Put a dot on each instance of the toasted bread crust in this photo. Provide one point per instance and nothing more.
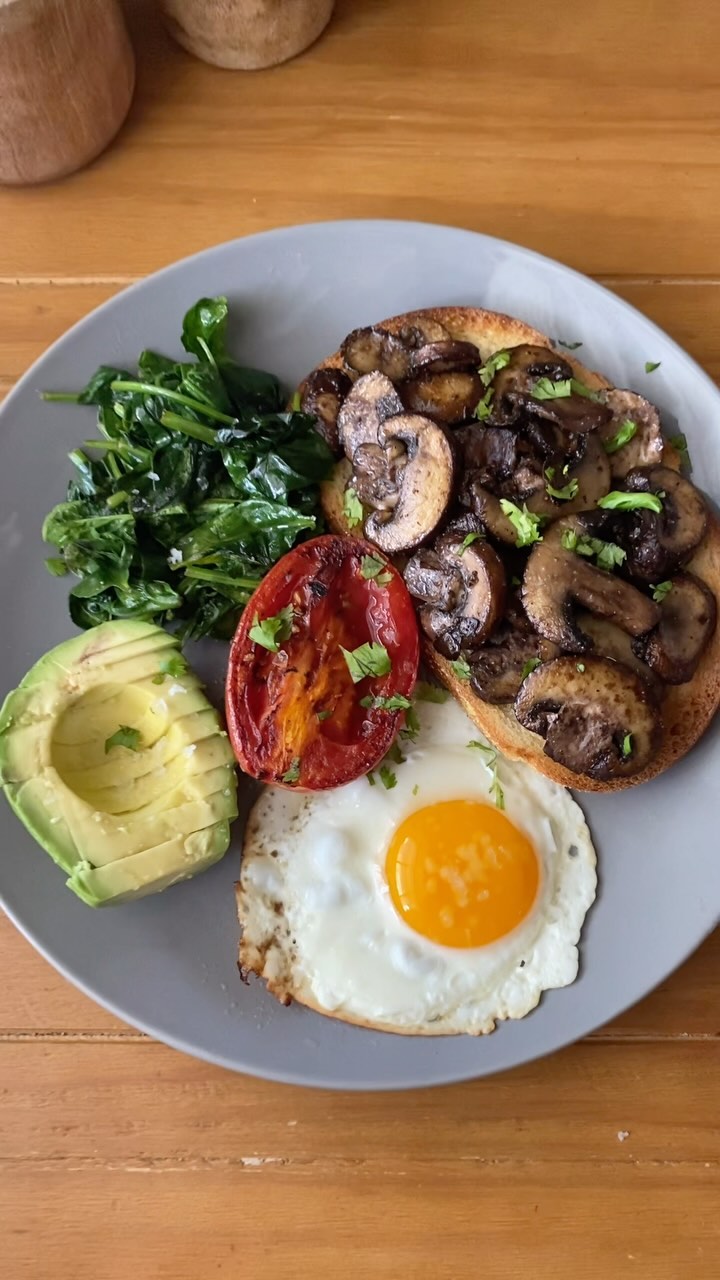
(687, 709)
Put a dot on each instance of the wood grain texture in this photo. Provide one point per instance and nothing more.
(593, 140)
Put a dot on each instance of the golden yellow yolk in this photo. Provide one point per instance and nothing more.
(461, 874)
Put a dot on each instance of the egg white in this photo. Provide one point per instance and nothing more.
(319, 923)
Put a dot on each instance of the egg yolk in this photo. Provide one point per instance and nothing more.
(461, 874)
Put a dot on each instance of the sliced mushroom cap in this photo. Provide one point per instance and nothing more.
(426, 484)
(590, 476)
(445, 397)
(493, 452)
(645, 448)
(602, 721)
(610, 641)
(371, 400)
(487, 508)
(376, 349)
(688, 617)
(445, 357)
(458, 614)
(500, 666)
(556, 580)
(659, 543)
(422, 330)
(322, 397)
(377, 473)
(514, 387)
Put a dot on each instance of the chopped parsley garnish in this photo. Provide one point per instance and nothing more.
(461, 669)
(396, 702)
(272, 632)
(371, 778)
(293, 773)
(374, 567)
(175, 667)
(619, 500)
(430, 692)
(581, 389)
(395, 754)
(627, 745)
(324, 715)
(412, 725)
(660, 591)
(652, 365)
(482, 409)
(606, 554)
(570, 346)
(468, 541)
(491, 760)
(493, 365)
(387, 777)
(124, 737)
(680, 443)
(565, 494)
(623, 436)
(525, 523)
(546, 389)
(352, 508)
(529, 666)
(580, 667)
(415, 789)
(368, 659)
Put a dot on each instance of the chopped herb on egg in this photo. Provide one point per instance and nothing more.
(396, 702)
(430, 692)
(387, 777)
(368, 659)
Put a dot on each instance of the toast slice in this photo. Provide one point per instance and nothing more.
(687, 708)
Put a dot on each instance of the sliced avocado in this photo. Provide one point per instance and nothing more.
(110, 753)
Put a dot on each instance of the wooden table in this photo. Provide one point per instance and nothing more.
(588, 132)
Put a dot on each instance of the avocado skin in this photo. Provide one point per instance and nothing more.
(120, 823)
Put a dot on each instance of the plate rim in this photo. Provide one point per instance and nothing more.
(443, 1076)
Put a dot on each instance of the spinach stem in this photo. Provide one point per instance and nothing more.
(116, 499)
(214, 575)
(195, 429)
(148, 388)
(61, 397)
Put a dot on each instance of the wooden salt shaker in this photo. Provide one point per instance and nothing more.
(246, 34)
(67, 73)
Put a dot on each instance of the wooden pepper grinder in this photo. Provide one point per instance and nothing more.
(246, 34)
(67, 73)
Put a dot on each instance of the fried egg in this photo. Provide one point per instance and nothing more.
(439, 898)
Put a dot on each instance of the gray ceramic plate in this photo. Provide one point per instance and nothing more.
(167, 964)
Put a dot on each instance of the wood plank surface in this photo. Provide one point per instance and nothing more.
(588, 132)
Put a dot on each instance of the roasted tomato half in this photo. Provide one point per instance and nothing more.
(321, 666)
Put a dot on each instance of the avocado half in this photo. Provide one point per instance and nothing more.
(117, 764)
